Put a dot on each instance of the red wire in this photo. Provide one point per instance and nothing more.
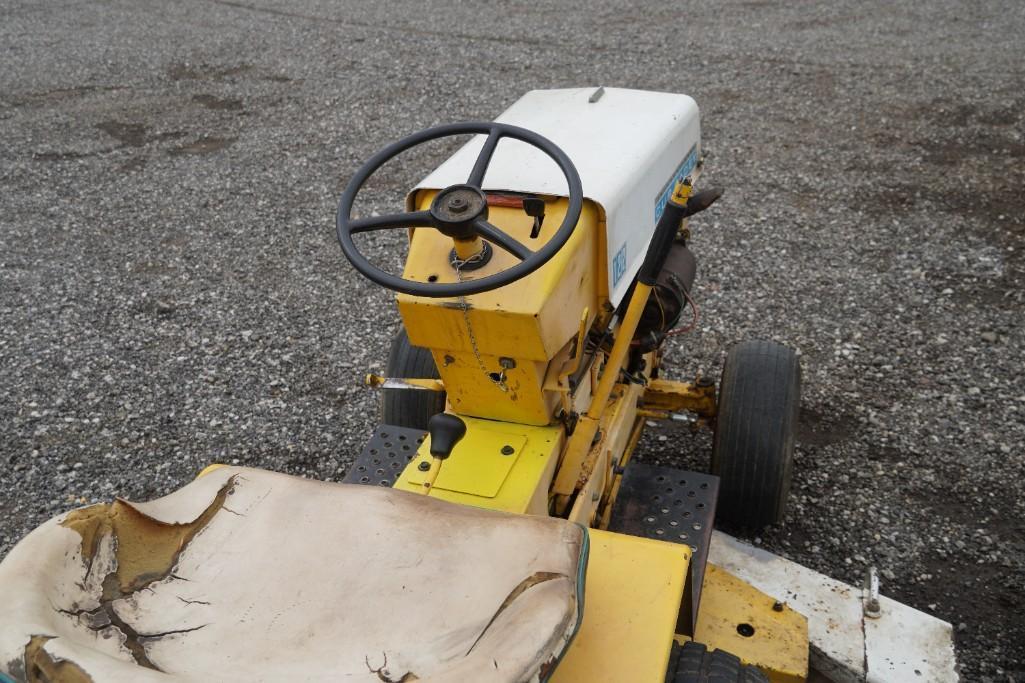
(681, 330)
(694, 321)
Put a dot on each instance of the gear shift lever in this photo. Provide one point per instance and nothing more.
(446, 431)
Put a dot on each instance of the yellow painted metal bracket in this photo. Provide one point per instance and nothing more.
(610, 453)
(737, 617)
(669, 396)
(578, 346)
(580, 459)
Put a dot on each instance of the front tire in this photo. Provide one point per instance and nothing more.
(753, 451)
(410, 407)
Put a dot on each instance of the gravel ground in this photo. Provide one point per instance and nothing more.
(171, 293)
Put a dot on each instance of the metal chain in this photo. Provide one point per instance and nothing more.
(458, 264)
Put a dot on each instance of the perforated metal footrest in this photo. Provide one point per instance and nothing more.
(384, 457)
(671, 505)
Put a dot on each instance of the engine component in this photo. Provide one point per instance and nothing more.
(668, 298)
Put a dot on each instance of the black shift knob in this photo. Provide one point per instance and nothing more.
(446, 430)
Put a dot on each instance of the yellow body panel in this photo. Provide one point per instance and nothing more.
(471, 392)
(492, 450)
(631, 602)
(613, 437)
(527, 322)
(778, 636)
(479, 474)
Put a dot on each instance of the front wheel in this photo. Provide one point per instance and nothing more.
(410, 407)
(753, 451)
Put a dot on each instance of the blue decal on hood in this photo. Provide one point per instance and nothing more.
(685, 170)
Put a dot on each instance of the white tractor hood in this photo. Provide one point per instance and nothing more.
(629, 147)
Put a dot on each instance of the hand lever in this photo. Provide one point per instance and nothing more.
(535, 208)
(699, 201)
(680, 205)
(446, 431)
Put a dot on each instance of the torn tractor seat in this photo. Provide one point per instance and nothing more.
(247, 575)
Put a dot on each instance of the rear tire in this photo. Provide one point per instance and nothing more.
(410, 407)
(753, 451)
(698, 665)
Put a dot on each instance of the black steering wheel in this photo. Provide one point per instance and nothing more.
(459, 211)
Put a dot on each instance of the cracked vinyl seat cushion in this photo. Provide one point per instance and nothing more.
(247, 575)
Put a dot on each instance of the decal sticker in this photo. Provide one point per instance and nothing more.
(685, 170)
(619, 265)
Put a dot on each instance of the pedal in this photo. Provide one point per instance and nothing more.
(672, 505)
(384, 457)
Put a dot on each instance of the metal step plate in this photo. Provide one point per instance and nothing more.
(386, 454)
(671, 505)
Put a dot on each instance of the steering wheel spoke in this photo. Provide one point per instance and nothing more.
(502, 239)
(480, 167)
(413, 219)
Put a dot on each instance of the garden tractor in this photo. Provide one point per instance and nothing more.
(496, 526)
